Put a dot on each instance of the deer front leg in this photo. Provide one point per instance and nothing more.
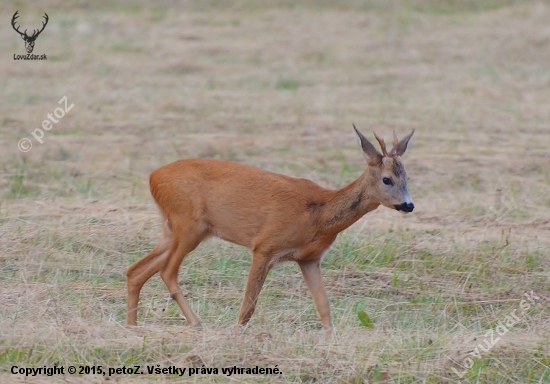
(311, 270)
(256, 278)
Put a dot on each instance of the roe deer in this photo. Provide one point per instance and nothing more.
(279, 218)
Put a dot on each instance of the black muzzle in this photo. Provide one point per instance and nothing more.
(405, 207)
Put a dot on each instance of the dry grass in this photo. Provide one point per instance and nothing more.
(278, 86)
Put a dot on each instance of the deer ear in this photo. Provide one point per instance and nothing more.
(403, 144)
(369, 151)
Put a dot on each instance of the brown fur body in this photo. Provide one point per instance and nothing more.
(279, 218)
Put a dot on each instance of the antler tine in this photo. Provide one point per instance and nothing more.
(382, 144)
(395, 143)
(13, 20)
(43, 25)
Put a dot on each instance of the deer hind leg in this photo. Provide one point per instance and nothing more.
(142, 271)
(181, 246)
(311, 270)
(256, 278)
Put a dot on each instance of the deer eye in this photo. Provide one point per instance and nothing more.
(387, 181)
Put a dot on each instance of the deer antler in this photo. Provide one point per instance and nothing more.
(13, 20)
(35, 34)
(382, 144)
(395, 144)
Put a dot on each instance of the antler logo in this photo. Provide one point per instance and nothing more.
(29, 40)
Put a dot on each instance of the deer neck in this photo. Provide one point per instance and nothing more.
(347, 205)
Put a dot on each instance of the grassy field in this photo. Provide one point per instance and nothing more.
(278, 86)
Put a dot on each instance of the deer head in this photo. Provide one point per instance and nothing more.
(29, 40)
(386, 174)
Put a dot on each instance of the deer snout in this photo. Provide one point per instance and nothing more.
(405, 207)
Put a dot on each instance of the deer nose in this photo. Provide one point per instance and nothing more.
(405, 207)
